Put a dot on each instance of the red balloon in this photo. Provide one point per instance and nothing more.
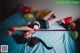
(25, 10)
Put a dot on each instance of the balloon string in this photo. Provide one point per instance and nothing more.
(48, 30)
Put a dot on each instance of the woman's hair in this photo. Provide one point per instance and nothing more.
(31, 41)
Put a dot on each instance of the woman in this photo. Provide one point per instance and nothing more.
(39, 24)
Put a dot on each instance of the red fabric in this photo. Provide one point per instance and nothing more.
(35, 30)
(25, 10)
(67, 19)
(30, 25)
(11, 29)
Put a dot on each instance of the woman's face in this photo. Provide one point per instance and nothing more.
(27, 34)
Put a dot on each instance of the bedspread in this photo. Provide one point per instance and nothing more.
(61, 41)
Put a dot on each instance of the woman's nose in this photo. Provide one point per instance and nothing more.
(27, 33)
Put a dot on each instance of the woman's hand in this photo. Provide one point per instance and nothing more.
(9, 33)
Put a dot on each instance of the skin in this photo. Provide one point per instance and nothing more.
(28, 34)
(30, 30)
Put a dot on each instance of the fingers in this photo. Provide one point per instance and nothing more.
(9, 33)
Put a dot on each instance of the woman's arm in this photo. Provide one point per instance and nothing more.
(23, 28)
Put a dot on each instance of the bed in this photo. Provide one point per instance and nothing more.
(61, 41)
